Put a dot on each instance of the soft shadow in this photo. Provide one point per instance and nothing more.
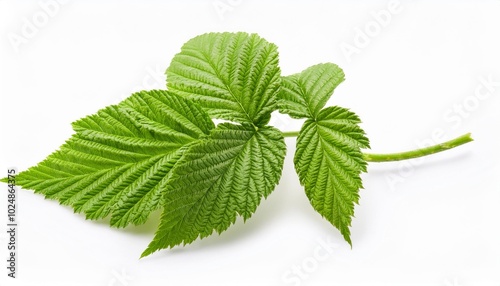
(268, 207)
(266, 214)
(148, 227)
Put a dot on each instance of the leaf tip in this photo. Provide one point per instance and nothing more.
(147, 252)
(348, 239)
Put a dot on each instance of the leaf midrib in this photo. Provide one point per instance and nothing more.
(203, 196)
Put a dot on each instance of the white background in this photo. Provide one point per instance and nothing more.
(414, 78)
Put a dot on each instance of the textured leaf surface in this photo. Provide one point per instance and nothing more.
(235, 76)
(217, 179)
(303, 95)
(120, 159)
(329, 162)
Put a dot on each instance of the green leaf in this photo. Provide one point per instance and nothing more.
(329, 161)
(120, 159)
(217, 179)
(303, 95)
(235, 76)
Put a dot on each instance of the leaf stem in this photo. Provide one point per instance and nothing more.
(466, 138)
(291, 134)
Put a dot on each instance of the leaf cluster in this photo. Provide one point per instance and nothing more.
(161, 149)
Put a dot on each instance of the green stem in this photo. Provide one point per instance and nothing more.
(291, 134)
(466, 138)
